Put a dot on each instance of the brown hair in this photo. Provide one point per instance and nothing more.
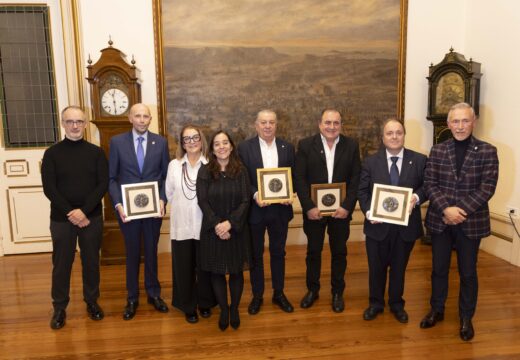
(234, 165)
(180, 147)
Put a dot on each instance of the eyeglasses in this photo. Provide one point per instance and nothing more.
(74, 122)
(188, 139)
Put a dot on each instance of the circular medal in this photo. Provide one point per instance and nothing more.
(390, 204)
(141, 200)
(328, 199)
(275, 185)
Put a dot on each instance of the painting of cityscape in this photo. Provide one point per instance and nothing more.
(224, 60)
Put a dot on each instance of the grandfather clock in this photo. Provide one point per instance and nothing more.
(451, 81)
(114, 88)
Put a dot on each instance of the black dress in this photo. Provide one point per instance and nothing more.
(223, 199)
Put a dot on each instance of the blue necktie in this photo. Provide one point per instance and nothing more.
(140, 153)
(394, 171)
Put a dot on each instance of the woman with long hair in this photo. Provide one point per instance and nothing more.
(191, 286)
(223, 191)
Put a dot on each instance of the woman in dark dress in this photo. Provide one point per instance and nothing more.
(223, 191)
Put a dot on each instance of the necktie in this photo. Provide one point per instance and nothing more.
(394, 171)
(140, 153)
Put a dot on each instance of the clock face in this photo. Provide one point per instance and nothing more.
(114, 102)
(449, 91)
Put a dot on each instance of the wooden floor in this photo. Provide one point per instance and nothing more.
(25, 311)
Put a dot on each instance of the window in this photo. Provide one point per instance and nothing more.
(27, 82)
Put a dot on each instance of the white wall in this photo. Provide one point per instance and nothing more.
(131, 30)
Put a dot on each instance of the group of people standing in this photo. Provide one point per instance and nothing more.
(218, 222)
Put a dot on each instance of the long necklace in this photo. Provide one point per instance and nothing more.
(189, 183)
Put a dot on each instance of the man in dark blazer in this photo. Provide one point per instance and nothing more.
(461, 176)
(139, 156)
(390, 245)
(267, 151)
(328, 157)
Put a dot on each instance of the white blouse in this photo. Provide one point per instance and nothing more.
(185, 214)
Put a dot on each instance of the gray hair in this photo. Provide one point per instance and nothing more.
(462, 106)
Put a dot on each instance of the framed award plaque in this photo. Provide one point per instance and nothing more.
(328, 197)
(141, 200)
(390, 204)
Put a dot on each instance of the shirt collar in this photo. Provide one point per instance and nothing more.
(324, 141)
(136, 135)
(399, 154)
(265, 144)
(202, 159)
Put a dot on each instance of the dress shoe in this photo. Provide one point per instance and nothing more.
(282, 302)
(130, 310)
(234, 318)
(205, 313)
(338, 305)
(58, 319)
(309, 299)
(371, 313)
(158, 304)
(466, 329)
(254, 306)
(223, 321)
(401, 315)
(192, 318)
(94, 311)
(431, 319)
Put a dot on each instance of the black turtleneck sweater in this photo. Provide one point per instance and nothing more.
(460, 152)
(74, 176)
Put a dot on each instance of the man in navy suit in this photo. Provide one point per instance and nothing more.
(461, 176)
(267, 151)
(139, 156)
(328, 157)
(390, 245)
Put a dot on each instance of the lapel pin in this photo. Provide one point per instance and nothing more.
(321, 152)
(153, 142)
(410, 162)
(283, 146)
(476, 148)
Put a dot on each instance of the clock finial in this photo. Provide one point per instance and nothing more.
(110, 42)
(89, 60)
(451, 49)
(133, 60)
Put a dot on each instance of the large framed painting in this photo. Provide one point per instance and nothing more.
(219, 62)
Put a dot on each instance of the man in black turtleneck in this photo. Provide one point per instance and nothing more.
(461, 176)
(75, 178)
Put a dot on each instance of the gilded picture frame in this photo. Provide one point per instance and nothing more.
(328, 197)
(141, 200)
(275, 185)
(390, 204)
(216, 68)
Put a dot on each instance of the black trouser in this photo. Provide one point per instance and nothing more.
(467, 254)
(65, 235)
(276, 228)
(338, 231)
(191, 285)
(391, 252)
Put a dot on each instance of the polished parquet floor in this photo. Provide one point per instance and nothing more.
(25, 311)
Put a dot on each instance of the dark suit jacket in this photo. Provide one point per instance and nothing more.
(311, 168)
(471, 190)
(123, 167)
(375, 171)
(249, 151)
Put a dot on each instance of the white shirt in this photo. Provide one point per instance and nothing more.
(269, 153)
(329, 156)
(185, 214)
(399, 160)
